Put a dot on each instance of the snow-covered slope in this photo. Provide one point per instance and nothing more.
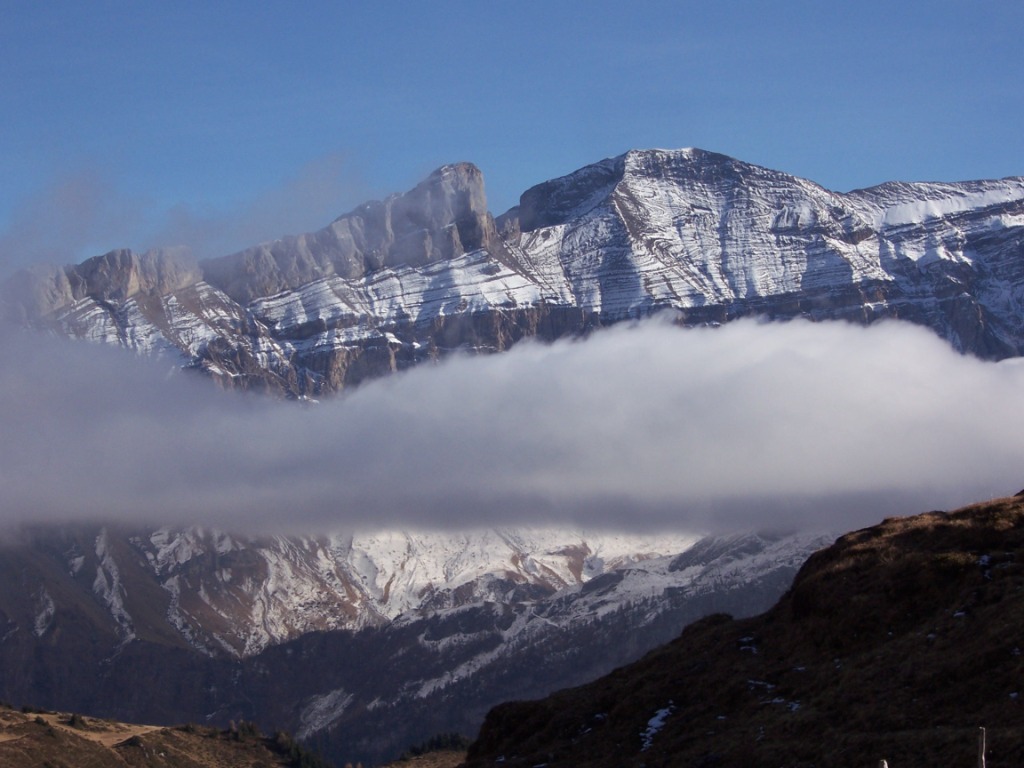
(397, 282)
(236, 596)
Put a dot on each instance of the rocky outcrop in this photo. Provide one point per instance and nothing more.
(442, 218)
(113, 278)
(704, 236)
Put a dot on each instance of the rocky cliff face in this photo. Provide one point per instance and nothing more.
(441, 219)
(111, 279)
(408, 279)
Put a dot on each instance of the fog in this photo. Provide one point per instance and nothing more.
(637, 428)
(87, 212)
(69, 219)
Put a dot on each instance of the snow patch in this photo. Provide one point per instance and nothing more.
(109, 588)
(320, 712)
(45, 611)
(919, 211)
(654, 726)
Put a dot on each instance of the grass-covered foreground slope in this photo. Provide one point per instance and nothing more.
(57, 740)
(897, 642)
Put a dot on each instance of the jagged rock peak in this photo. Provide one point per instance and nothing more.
(114, 276)
(692, 163)
(459, 186)
(442, 217)
(120, 274)
(558, 200)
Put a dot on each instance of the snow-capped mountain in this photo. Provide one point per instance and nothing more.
(367, 642)
(408, 279)
(372, 641)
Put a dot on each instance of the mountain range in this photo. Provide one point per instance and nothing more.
(360, 645)
(896, 642)
(703, 236)
(363, 643)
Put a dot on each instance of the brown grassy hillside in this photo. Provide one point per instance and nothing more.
(57, 740)
(897, 642)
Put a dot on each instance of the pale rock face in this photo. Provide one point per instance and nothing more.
(442, 218)
(708, 237)
(112, 278)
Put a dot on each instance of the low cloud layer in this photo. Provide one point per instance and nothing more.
(748, 425)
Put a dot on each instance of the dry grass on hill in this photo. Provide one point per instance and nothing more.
(58, 740)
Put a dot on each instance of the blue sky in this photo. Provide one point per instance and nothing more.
(221, 124)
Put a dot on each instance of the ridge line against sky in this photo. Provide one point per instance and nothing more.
(144, 125)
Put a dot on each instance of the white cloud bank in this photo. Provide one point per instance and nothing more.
(797, 424)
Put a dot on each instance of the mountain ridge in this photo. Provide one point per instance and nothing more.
(700, 235)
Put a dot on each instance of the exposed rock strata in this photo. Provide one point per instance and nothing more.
(413, 277)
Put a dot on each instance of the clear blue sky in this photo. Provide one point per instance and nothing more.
(221, 124)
